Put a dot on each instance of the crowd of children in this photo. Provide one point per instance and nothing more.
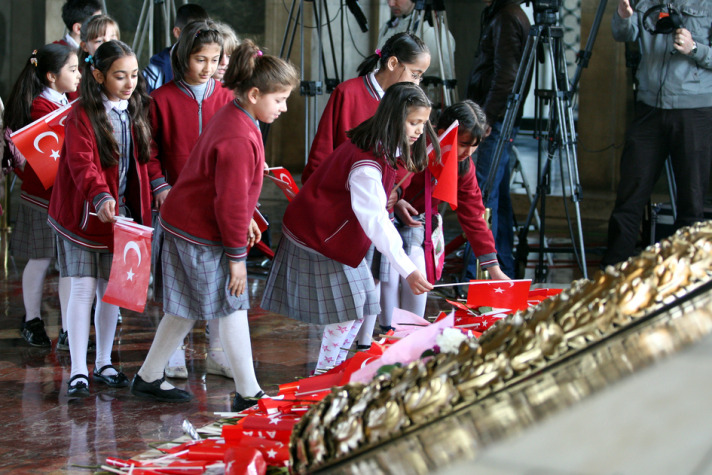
(129, 139)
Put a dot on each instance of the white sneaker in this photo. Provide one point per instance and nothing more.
(176, 372)
(213, 367)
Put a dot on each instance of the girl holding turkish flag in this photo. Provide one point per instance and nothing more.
(103, 172)
(207, 227)
(50, 73)
(410, 211)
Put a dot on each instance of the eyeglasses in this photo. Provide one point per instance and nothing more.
(417, 77)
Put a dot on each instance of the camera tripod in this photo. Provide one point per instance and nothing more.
(438, 20)
(546, 38)
(144, 27)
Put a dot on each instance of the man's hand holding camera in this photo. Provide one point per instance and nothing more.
(682, 40)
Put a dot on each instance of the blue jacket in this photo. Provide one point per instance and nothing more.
(159, 71)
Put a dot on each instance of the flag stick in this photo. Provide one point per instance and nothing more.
(403, 179)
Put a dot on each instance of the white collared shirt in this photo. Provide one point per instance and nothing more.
(54, 96)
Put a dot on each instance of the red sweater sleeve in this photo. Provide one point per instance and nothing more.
(470, 213)
(325, 140)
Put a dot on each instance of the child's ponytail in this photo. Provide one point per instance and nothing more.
(249, 67)
(31, 82)
(405, 47)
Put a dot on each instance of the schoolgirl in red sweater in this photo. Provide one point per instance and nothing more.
(319, 274)
(207, 227)
(470, 211)
(102, 173)
(180, 111)
(50, 73)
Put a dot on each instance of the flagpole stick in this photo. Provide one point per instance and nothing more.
(402, 180)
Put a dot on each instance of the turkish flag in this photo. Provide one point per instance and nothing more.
(262, 224)
(41, 143)
(284, 181)
(502, 294)
(131, 267)
(445, 172)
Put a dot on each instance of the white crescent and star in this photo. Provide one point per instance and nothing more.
(41, 136)
(131, 245)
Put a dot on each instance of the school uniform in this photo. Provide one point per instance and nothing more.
(178, 118)
(82, 186)
(319, 274)
(32, 238)
(206, 216)
(350, 103)
(470, 212)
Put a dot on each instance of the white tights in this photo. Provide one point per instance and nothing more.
(33, 278)
(405, 299)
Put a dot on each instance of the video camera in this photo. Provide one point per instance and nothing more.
(662, 19)
(545, 11)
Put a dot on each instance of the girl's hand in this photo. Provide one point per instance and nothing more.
(496, 273)
(405, 211)
(238, 278)
(418, 283)
(107, 212)
(161, 197)
(392, 198)
(253, 233)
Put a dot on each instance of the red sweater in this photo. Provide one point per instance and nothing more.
(350, 103)
(321, 218)
(177, 120)
(32, 189)
(213, 200)
(82, 184)
(470, 209)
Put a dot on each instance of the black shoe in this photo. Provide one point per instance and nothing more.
(153, 390)
(118, 380)
(81, 389)
(363, 347)
(63, 342)
(34, 333)
(386, 328)
(240, 403)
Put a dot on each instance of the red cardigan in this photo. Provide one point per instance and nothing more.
(177, 120)
(470, 210)
(213, 200)
(350, 103)
(82, 184)
(32, 189)
(321, 218)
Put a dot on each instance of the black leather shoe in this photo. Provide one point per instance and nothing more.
(153, 390)
(63, 342)
(80, 389)
(240, 403)
(118, 380)
(34, 333)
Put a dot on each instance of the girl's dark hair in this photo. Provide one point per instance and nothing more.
(94, 27)
(93, 104)
(406, 47)
(384, 133)
(193, 37)
(32, 80)
(249, 67)
(472, 119)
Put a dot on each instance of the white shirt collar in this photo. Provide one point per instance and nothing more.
(54, 96)
(120, 105)
(376, 86)
(70, 41)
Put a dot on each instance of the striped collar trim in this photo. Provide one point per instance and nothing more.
(209, 89)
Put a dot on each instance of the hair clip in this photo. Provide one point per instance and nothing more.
(378, 52)
(89, 59)
(258, 53)
(197, 33)
(33, 58)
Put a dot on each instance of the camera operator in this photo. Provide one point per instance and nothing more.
(505, 28)
(672, 118)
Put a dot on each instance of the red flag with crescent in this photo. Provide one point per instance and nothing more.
(131, 267)
(445, 172)
(502, 294)
(283, 179)
(41, 143)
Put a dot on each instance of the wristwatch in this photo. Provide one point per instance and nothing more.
(694, 48)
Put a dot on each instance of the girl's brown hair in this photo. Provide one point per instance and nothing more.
(249, 67)
(193, 37)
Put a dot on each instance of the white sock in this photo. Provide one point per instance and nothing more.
(389, 299)
(350, 335)
(32, 283)
(365, 333)
(65, 288)
(235, 338)
(409, 301)
(331, 343)
(79, 309)
(170, 332)
(177, 357)
(215, 346)
(105, 319)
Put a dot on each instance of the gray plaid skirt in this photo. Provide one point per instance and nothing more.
(195, 280)
(413, 236)
(77, 261)
(32, 237)
(312, 288)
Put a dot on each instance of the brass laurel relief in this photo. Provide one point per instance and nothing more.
(356, 417)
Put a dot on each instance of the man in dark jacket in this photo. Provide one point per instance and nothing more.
(504, 31)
